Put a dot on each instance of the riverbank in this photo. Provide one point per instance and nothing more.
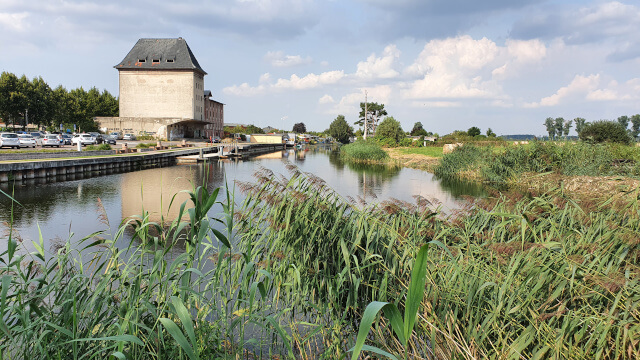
(415, 158)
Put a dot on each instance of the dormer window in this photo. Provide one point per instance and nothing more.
(169, 60)
(156, 61)
(142, 60)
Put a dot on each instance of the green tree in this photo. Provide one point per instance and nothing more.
(418, 130)
(391, 129)
(605, 131)
(566, 128)
(474, 131)
(490, 133)
(374, 109)
(623, 121)
(558, 123)
(580, 124)
(635, 126)
(551, 129)
(299, 128)
(340, 130)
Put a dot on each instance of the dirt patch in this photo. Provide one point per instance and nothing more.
(580, 187)
(414, 161)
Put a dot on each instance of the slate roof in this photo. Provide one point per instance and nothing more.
(161, 54)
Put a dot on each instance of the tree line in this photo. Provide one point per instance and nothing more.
(559, 126)
(33, 102)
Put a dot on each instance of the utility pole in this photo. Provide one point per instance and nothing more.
(365, 115)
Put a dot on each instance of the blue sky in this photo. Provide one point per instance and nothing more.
(450, 64)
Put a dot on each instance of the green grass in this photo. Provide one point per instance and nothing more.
(432, 151)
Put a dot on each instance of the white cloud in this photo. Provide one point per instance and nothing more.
(326, 99)
(244, 89)
(579, 86)
(379, 67)
(451, 68)
(279, 59)
(526, 51)
(14, 22)
(309, 81)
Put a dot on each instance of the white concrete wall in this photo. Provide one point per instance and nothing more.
(162, 94)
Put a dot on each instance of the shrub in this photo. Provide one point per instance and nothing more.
(390, 128)
(100, 147)
(605, 131)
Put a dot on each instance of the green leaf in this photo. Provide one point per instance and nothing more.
(187, 321)
(177, 335)
(369, 316)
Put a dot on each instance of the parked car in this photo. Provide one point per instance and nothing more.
(216, 139)
(51, 140)
(129, 137)
(8, 139)
(83, 139)
(66, 139)
(37, 136)
(111, 140)
(99, 138)
(117, 135)
(26, 140)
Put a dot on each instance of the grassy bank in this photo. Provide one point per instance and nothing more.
(505, 165)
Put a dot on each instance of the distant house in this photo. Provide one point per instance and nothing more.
(162, 92)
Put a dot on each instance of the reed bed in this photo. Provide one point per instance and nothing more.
(297, 272)
(533, 277)
(363, 151)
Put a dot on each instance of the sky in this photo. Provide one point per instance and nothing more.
(449, 64)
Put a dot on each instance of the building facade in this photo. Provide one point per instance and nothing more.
(214, 116)
(161, 92)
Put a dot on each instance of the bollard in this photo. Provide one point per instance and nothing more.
(79, 145)
(200, 153)
(184, 142)
(124, 148)
(158, 145)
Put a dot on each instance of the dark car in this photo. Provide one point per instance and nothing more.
(111, 140)
(66, 139)
(99, 138)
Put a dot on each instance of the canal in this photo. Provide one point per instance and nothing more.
(83, 206)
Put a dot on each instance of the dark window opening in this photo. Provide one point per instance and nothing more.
(142, 60)
(169, 60)
(156, 60)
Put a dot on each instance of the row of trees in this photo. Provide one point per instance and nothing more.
(34, 102)
(559, 126)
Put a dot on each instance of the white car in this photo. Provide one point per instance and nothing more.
(8, 139)
(27, 140)
(129, 137)
(83, 139)
(51, 140)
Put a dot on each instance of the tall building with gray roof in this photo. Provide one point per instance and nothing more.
(161, 91)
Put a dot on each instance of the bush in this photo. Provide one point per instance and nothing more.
(100, 147)
(367, 151)
(390, 129)
(605, 131)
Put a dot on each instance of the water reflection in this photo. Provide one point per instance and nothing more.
(82, 205)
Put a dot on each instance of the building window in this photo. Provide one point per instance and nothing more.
(156, 60)
(169, 60)
(142, 60)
